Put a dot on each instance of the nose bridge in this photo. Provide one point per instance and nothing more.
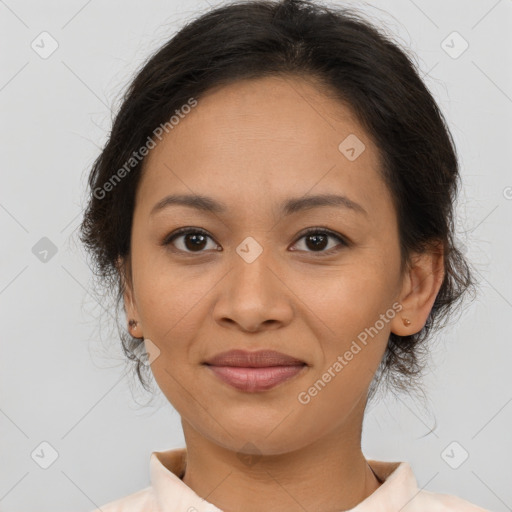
(254, 295)
(252, 264)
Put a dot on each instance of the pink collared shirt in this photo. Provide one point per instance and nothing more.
(168, 493)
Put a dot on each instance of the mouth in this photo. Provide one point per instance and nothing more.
(255, 371)
(259, 359)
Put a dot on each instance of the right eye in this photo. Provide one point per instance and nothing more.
(191, 240)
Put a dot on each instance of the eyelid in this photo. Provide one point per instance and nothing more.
(184, 231)
(343, 241)
(327, 231)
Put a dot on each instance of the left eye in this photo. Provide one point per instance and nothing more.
(318, 240)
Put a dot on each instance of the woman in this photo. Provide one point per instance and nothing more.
(275, 209)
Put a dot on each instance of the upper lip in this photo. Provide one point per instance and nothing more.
(258, 359)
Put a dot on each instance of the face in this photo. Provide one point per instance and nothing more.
(270, 267)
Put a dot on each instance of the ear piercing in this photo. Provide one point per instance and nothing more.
(132, 326)
(406, 322)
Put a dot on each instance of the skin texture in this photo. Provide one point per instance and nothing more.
(252, 145)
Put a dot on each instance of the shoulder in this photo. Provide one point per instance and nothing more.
(141, 500)
(438, 502)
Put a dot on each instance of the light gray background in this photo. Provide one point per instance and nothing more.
(61, 385)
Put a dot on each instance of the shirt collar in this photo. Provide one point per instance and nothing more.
(171, 493)
(398, 489)
(167, 468)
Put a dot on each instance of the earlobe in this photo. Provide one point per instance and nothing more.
(421, 283)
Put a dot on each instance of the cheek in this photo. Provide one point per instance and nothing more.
(350, 298)
(355, 312)
(167, 294)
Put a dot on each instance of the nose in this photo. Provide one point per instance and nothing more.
(254, 296)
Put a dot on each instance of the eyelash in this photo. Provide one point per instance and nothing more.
(318, 230)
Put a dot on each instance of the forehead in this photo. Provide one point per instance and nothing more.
(264, 139)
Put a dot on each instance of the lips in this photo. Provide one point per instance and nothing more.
(254, 371)
(259, 359)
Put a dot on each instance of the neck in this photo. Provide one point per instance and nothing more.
(330, 474)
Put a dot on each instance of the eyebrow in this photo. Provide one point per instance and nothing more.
(290, 206)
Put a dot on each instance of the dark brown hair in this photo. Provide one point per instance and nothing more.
(353, 61)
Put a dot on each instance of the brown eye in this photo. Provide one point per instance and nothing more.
(189, 240)
(317, 240)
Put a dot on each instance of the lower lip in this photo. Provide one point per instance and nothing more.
(255, 379)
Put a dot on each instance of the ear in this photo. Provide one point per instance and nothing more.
(421, 283)
(124, 269)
